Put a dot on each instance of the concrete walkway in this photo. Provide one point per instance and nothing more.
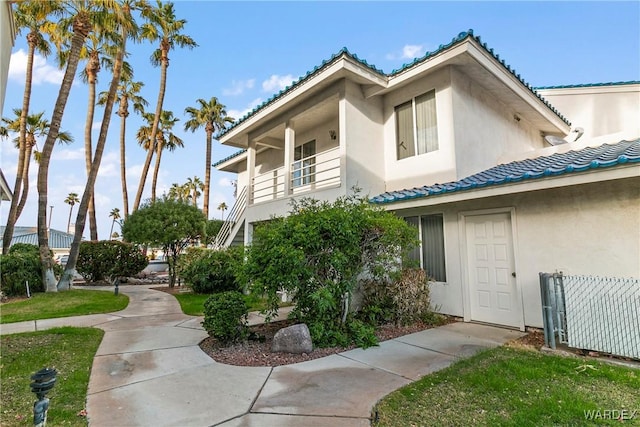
(149, 370)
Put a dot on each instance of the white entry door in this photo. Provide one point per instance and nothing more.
(494, 296)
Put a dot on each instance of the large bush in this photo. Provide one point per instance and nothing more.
(109, 259)
(21, 265)
(404, 299)
(318, 253)
(210, 271)
(225, 316)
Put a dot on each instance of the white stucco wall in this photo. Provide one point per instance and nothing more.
(365, 154)
(428, 168)
(611, 111)
(588, 229)
(484, 128)
(7, 38)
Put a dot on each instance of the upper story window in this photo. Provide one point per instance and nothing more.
(417, 126)
(304, 170)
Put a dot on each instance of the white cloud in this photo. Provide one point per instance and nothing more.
(238, 87)
(110, 166)
(238, 114)
(68, 154)
(42, 72)
(276, 83)
(409, 51)
(225, 182)
(96, 125)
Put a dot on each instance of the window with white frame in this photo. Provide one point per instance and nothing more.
(304, 170)
(417, 126)
(430, 253)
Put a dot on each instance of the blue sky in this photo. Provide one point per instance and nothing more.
(248, 51)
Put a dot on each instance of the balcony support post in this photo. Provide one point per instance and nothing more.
(289, 149)
(251, 169)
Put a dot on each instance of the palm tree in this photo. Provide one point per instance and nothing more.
(165, 139)
(98, 45)
(128, 91)
(161, 26)
(213, 116)
(222, 207)
(117, 17)
(115, 214)
(31, 16)
(193, 187)
(79, 17)
(179, 192)
(37, 126)
(71, 200)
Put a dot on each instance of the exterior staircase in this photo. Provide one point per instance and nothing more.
(232, 230)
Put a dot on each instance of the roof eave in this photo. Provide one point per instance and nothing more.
(341, 67)
(232, 164)
(631, 170)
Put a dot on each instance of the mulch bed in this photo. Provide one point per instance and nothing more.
(256, 353)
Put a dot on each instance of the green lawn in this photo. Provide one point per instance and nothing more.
(70, 351)
(514, 387)
(75, 302)
(193, 304)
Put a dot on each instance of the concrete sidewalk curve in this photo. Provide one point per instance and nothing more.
(149, 370)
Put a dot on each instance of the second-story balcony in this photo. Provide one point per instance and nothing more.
(306, 174)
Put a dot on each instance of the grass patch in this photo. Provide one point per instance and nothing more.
(75, 302)
(513, 387)
(70, 351)
(193, 304)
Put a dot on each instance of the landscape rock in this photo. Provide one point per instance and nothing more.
(293, 339)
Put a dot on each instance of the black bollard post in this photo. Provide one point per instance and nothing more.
(43, 382)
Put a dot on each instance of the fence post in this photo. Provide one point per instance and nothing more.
(547, 315)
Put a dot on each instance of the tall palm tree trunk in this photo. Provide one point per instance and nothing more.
(92, 68)
(207, 170)
(123, 167)
(156, 121)
(156, 169)
(14, 212)
(25, 179)
(81, 28)
(87, 195)
(69, 220)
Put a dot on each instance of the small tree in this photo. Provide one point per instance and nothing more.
(171, 224)
(211, 231)
(319, 252)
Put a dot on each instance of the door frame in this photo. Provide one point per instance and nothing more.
(464, 260)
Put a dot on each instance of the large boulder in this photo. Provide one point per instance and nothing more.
(293, 339)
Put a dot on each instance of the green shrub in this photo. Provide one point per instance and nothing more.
(109, 259)
(210, 271)
(317, 253)
(225, 316)
(22, 264)
(24, 248)
(18, 268)
(404, 299)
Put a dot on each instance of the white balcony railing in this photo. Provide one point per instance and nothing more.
(312, 173)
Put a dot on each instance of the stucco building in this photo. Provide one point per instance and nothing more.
(501, 180)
